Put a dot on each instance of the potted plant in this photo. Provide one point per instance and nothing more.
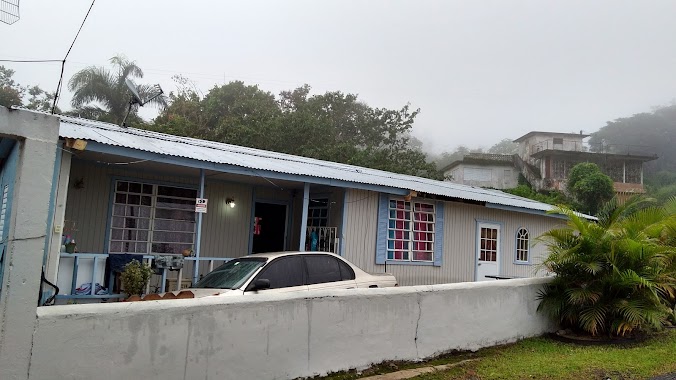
(135, 278)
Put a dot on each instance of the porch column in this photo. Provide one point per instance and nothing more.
(198, 243)
(343, 225)
(55, 229)
(624, 171)
(303, 218)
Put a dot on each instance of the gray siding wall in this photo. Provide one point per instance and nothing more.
(459, 257)
(225, 230)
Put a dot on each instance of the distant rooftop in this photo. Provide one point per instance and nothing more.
(482, 159)
(558, 134)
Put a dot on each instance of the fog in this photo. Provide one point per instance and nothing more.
(479, 71)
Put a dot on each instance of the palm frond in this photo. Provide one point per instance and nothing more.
(593, 319)
(582, 296)
(146, 91)
(92, 84)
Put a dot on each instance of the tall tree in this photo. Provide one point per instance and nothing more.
(505, 146)
(644, 133)
(447, 158)
(589, 187)
(103, 95)
(10, 91)
(332, 126)
(14, 94)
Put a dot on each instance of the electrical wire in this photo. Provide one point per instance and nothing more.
(30, 60)
(63, 63)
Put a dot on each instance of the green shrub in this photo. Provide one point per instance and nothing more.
(135, 277)
(615, 276)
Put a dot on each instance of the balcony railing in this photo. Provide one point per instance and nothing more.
(578, 146)
(566, 145)
(89, 268)
(324, 239)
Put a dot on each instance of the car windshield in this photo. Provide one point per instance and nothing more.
(232, 274)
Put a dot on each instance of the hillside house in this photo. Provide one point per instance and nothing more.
(549, 156)
(544, 160)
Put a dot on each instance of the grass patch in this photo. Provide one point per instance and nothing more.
(394, 366)
(543, 358)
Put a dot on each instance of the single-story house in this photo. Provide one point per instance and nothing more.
(496, 171)
(130, 191)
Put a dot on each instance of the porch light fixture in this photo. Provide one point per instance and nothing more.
(230, 202)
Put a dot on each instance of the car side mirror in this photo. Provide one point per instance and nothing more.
(260, 284)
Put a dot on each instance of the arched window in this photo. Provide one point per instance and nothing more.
(522, 245)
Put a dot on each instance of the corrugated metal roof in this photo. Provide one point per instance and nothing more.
(257, 159)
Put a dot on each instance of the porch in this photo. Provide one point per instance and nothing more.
(111, 206)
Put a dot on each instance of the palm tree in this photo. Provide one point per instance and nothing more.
(103, 95)
(615, 276)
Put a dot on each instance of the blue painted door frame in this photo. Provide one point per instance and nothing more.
(7, 179)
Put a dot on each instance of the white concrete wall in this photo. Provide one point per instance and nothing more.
(282, 337)
(501, 176)
(37, 137)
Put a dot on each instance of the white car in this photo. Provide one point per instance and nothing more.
(287, 272)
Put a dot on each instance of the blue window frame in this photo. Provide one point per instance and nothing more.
(409, 231)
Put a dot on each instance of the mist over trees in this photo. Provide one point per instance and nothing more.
(504, 146)
(333, 126)
(647, 133)
(650, 132)
(14, 94)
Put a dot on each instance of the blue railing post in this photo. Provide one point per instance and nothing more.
(195, 271)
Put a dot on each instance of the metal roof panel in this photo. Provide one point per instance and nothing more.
(220, 153)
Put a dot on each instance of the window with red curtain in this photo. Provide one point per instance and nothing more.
(410, 233)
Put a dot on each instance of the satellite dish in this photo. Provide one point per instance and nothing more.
(136, 97)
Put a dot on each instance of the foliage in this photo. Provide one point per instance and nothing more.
(505, 146)
(661, 186)
(100, 94)
(447, 158)
(10, 91)
(589, 187)
(551, 197)
(135, 277)
(332, 126)
(648, 133)
(615, 276)
(13, 94)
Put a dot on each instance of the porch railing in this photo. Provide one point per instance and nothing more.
(90, 268)
(326, 239)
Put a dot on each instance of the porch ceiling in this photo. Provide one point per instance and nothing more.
(165, 169)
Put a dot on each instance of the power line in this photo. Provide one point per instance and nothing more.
(30, 60)
(63, 63)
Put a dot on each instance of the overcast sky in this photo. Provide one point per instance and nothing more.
(479, 70)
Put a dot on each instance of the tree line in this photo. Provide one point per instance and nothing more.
(333, 126)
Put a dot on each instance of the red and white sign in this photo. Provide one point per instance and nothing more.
(201, 205)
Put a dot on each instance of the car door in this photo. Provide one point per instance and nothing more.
(326, 272)
(286, 274)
